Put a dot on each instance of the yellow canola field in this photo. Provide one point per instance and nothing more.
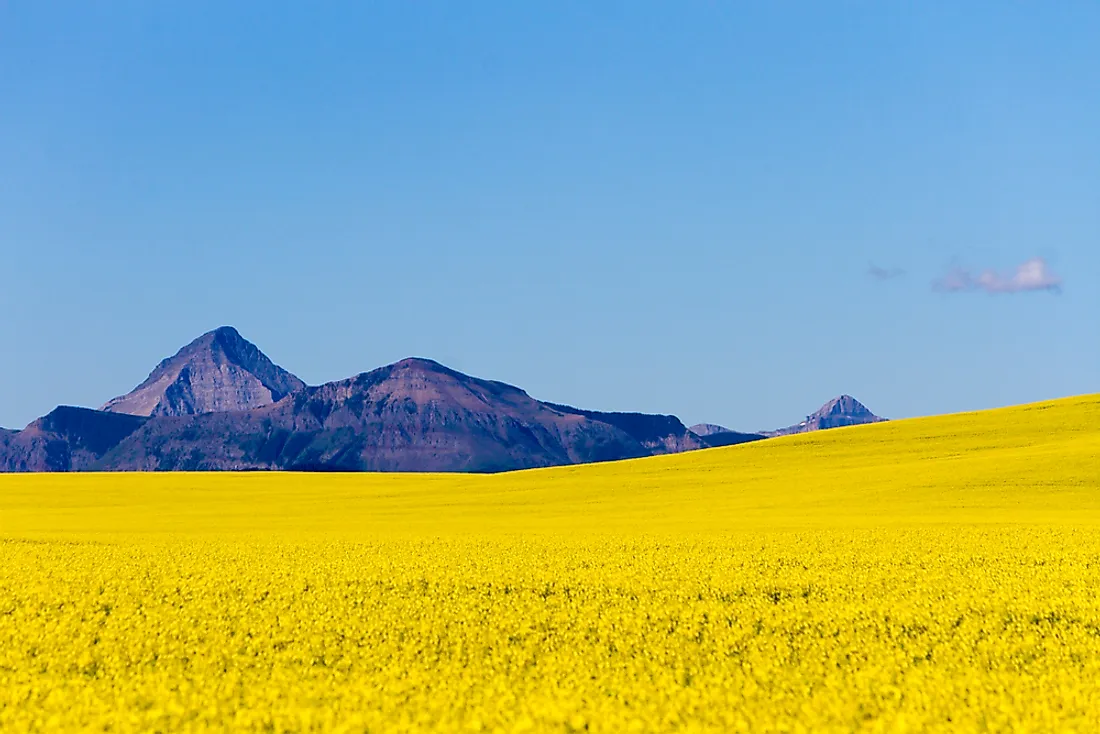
(936, 574)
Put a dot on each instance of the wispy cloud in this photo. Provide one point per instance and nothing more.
(1033, 275)
(884, 273)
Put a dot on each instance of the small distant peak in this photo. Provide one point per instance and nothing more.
(840, 411)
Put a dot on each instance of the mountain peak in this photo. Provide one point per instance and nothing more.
(217, 372)
(226, 336)
(838, 412)
(843, 405)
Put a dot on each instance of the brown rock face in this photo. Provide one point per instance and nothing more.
(218, 372)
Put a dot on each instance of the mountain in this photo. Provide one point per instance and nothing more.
(220, 371)
(838, 412)
(67, 439)
(415, 415)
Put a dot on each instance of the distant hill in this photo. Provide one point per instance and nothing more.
(838, 412)
(220, 371)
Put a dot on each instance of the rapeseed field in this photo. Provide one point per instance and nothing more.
(936, 574)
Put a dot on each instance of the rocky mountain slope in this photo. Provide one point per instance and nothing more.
(220, 371)
(838, 412)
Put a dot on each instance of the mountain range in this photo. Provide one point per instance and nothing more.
(220, 404)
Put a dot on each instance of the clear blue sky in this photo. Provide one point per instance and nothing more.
(667, 207)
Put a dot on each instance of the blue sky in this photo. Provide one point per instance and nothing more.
(666, 207)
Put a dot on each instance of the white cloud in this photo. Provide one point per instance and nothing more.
(1033, 275)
